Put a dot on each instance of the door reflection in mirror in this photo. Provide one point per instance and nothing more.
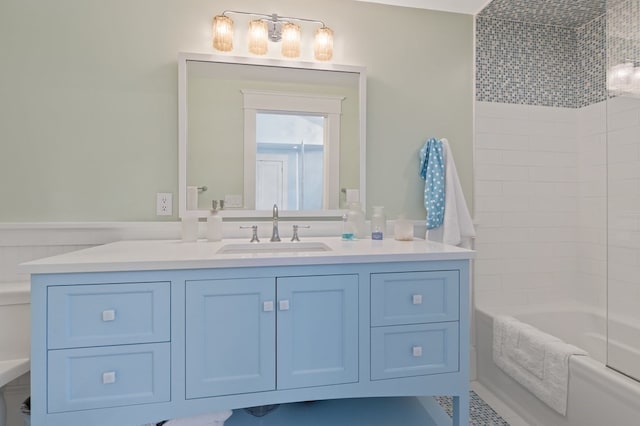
(289, 160)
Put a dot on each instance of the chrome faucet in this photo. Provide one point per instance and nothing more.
(275, 235)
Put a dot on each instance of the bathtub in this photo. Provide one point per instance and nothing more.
(597, 395)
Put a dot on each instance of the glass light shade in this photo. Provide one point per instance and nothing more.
(290, 40)
(258, 37)
(323, 44)
(223, 33)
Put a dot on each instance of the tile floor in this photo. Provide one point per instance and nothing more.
(480, 413)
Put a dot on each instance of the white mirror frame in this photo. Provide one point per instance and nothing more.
(183, 57)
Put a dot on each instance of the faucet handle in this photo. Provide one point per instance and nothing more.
(254, 237)
(295, 231)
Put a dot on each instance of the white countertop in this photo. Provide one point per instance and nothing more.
(174, 254)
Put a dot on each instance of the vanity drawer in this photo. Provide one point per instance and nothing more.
(82, 379)
(414, 297)
(414, 350)
(108, 314)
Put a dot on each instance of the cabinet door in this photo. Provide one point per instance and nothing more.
(230, 336)
(317, 330)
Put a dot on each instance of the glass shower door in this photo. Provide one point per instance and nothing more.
(623, 230)
(623, 187)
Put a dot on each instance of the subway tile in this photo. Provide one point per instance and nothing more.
(487, 282)
(484, 188)
(501, 173)
(555, 234)
(494, 140)
(487, 219)
(488, 156)
(553, 174)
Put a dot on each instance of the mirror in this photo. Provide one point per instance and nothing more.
(254, 132)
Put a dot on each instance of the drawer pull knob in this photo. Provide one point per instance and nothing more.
(416, 299)
(416, 351)
(108, 377)
(284, 305)
(109, 315)
(267, 306)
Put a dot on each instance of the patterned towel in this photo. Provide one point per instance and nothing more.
(432, 172)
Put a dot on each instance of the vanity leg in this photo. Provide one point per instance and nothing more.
(461, 410)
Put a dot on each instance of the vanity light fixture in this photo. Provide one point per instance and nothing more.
(272, 28)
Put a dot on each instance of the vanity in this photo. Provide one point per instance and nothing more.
(135, 332)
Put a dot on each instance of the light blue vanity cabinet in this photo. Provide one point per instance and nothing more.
(140, 339)
(231, 343)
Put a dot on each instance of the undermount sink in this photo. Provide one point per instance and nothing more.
(293, 247)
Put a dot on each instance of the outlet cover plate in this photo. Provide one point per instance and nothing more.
(164, 204)
(232, 201)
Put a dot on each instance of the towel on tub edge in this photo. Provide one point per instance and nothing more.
(536, 360)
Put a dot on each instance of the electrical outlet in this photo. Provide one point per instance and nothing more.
(164, 204)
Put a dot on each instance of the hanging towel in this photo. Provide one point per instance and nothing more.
(457, 227)
(536, 360)
(432, 172)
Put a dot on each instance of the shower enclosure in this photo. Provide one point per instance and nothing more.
(557, 165)
(623, 186)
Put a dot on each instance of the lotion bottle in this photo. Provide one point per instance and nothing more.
(378, 223)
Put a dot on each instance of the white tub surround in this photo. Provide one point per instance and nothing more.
(173, 329)
(597, 395)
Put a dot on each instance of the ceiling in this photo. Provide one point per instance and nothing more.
(470, 7)
(559, 13)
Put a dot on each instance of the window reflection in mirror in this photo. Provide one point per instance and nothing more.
(289, 160)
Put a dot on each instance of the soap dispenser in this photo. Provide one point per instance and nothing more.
(378, 223)
(347, 229)
(356, 218)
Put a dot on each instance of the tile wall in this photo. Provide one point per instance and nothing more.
(521, 63)
(544, 65)
(526, 204)
(540, 163)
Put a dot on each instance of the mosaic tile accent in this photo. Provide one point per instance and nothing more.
(522, 63)
(532, 64)
(480, 413)
(592, 72)
(561, 13)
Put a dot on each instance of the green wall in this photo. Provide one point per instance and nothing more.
(88, 98)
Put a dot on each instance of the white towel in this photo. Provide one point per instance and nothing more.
(536, 360)
(457, 228)
(212, 419)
